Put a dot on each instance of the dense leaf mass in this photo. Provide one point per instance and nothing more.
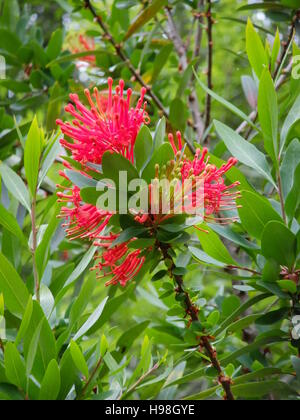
(109, 299)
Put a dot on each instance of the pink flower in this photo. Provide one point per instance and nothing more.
(217, 195)
(83, 44)
(108, 125)
(118, 262)
(111, 124)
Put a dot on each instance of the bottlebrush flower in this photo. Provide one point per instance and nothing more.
(109, 125)
(84, 44)
(117, 261)
(217, 195)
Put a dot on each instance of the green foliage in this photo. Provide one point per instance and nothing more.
(67, 336)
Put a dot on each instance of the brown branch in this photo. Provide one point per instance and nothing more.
(210, 23)
(249, 270)
(140, 380)
(122, 55)
(192, 312)
(287, 43)
(88, 383)
(1, 346)
(198, 40)
(183, 61)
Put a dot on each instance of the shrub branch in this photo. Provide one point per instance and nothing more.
(192, 312)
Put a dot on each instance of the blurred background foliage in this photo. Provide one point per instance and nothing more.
(45, 62)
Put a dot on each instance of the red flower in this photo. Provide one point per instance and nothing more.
(83, 44)
(108, 125)
(118, 262)
(217, 195)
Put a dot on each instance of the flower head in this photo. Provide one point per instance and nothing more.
(217, 196)
(118, 261)
(109, 124)
(83, 44)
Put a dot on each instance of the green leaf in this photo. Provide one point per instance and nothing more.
(260, 389)
(8, 221)
(74, 57)
(145, 16)
(78, 359)
(203, 257)
(15, 185)
(243, 323)
(269, 5)
(293, 199)
(279, 243)
(214, 247)
(160, 61)
(91, 320)
(33, 348)
(143, 147)
(229, 305)
(289, 165)
(14, 366)
(128, 337)
(55, 44)
(296, 365)
(50, 385)
(10, 14)
(15, 86)
(250, 91)
(14, 290)
(81, 267)
(160, 157)
(213, 318)
(82, 300)
(160, 275)
(273, 317)
(226, 103)
(255, 212)
(271, 271)
(227, 233)
(9, 41)
(112, 305)
(244, 151)
(268, 114)
(255, 50)
(235, 313)
(25, 321)
(80, 180)
(177, 114)
(273, 288)
(291, 119)
(52, 151)
(288, 285)
(160, 133)
(275, 50)
(32, 156)
(114, 163)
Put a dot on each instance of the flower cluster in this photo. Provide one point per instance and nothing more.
(112, 124)
(217, 195)
(84, 44)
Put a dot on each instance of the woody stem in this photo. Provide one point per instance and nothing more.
(192, 311)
